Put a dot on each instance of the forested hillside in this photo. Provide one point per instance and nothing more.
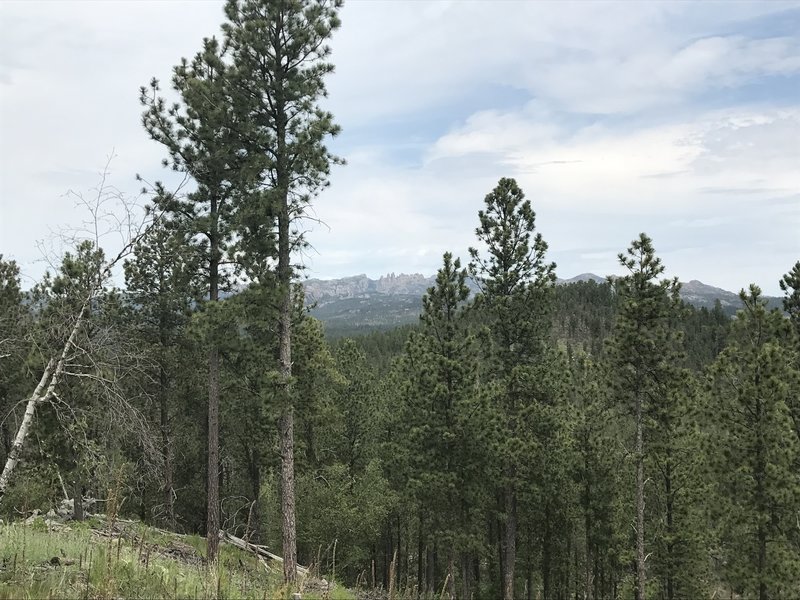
(520, 439)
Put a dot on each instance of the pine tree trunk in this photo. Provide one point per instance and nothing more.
(762, 503)
(496, 536)
(546, 554)
(451, 573)
(420, 560)
(435, 564)
(762, 562)
(169, 500)
(587, 526)
(430, 583)
(286, 422)
(388, 548)
(254, 517)
(399, 565)
(529, 586)
(510, 542)
(466, 576)
(289, 537)
(49, 380)
(212, 516)
(670, 576)
(639, 450)
(77, 499)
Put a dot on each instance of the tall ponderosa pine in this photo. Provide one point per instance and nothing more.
(199, 135)
(753, 382)
(641, 355)
(515, 282)
(279, 51)
(440, 410)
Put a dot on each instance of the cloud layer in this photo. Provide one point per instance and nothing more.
(679, 119)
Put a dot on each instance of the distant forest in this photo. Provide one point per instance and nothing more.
(527, 440)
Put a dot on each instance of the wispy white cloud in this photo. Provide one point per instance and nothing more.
(708, 183)
(616, 117)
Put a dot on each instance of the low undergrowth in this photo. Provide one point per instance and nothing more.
(97, 559)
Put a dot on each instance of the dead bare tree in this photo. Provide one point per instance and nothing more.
(112, 214)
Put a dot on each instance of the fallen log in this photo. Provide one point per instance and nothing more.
(260, 551)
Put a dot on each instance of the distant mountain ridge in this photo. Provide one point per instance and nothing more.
(358, 286)
(321, 291)
(395, 299)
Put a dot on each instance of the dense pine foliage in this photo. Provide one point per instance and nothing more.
(618, 417)
(528, 440)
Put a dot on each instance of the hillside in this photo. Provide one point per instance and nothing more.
(43, 557)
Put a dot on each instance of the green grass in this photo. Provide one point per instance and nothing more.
(140, 562)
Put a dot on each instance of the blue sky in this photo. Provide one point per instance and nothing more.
(680, 119)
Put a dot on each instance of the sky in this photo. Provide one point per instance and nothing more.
(679, 119)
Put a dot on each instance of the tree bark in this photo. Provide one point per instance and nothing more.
(670, 530)
(466, 576)
(286, 424)
(762, 503)
(399, 566)
(451, 573)
(49, 380)
(254, 517)
(639, 450)
(510, 542)
(282, 176)
(169, 499)
(420, 559)
(212, 516)
(77, 499)
(587, 528)
(430, 582)
(546, 544)
(287, 496)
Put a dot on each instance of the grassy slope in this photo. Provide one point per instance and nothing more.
(80, 560)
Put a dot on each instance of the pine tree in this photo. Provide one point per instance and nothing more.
(753, 381)
(279, 51)
(442, 412)
(200, 136)
(642, 355)
(515, 283)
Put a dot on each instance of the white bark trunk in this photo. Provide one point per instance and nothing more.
(50, 379)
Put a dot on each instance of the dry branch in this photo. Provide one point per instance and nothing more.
(260, 551)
